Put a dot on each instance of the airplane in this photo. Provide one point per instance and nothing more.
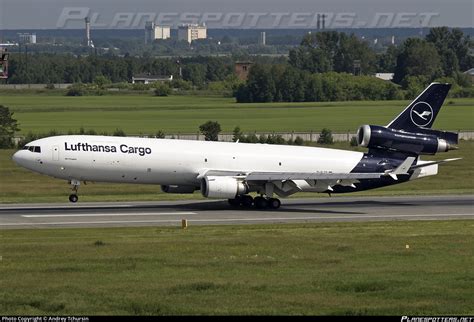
(233, 170)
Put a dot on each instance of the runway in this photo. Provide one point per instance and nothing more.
(170, 213)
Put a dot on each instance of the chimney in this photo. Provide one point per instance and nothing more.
(88, 32)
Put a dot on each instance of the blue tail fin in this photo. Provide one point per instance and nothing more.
(422, 112)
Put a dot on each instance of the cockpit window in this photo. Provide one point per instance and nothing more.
(35, 149)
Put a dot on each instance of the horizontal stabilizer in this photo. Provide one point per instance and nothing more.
(432, 163)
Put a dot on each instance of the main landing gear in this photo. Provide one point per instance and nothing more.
(75, 186)
(261, 202)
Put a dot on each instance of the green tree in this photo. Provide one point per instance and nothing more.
(354, 141)
(76, 90)
(237, 134)
(331, 50)
(453, 47)
(8, 127)
(292, 85)
(417, 58)
(325, 137)
(298, 141)
(195, 73)
(160, 134)
(387, 61)
(261, 84)
(162, 89)
(210, 130)
(119, 132)
(101, 81)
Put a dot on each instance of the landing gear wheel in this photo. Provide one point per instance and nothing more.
(274, 203)
(75, 186)
(246, 201)
(260, 203)
(73, 198)
(235, 202)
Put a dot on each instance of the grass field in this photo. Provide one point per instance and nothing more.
(18, 185)
(307, 269)
(137, 114)
(320, 269)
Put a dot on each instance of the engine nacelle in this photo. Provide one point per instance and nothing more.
(372, 136)
(178, 189)
(222, 187)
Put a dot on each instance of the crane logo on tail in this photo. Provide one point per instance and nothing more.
(421, 114)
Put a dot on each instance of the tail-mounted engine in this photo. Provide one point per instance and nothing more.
(425, 141)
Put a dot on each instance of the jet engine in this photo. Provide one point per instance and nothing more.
(426, 142)
(178, 189)
(222, 187)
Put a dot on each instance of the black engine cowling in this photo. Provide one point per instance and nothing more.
(178, 189)
(426, 142)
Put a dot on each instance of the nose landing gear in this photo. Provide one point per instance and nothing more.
(75, 186)
(73, 198)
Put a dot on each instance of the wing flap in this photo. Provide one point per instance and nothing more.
(282, 176)
(346, 178)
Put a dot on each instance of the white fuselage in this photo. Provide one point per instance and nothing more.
(171, 162)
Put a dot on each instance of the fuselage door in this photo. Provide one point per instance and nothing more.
(55, 153)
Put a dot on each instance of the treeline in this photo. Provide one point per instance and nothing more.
(326, 66)
(322, 69)
(60, 68)
(277, 83)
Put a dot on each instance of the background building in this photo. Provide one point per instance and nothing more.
(470, 73)
(87, 39)
(385, 76)
(262, 39)
(192, 32)
(148, 78)
(153, 32)
(3, 63)
(242, 69)
(26, 38)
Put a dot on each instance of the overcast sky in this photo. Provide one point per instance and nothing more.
(28, 14)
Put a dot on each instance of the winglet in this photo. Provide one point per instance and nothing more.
(401, 169)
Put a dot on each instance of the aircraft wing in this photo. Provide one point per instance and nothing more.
(282, 176)
(403, 168)
(286, 176)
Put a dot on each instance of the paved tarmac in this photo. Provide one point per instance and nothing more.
(208, 212)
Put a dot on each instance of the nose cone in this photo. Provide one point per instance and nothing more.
(21, 158)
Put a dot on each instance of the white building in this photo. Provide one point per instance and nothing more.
(148, 79)
(263, 38)
(470, 73)
(192, 32)
(385, 76)
(153, 32)
(27, 38)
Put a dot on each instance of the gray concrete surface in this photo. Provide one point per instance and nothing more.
(341, 209)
